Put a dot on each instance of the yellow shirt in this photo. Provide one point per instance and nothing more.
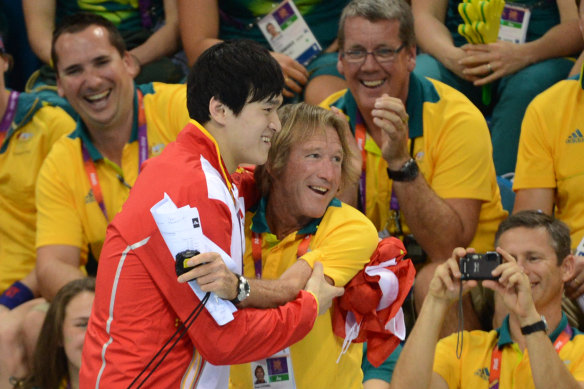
(452, 148)
(36, 126)
(551, 151)
(344, 241)
(472, 370)
(68, 213)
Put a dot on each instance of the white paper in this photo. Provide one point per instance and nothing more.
(181, 230)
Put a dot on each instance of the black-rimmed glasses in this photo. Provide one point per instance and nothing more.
(381, 55)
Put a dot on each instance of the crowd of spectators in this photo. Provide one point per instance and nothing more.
(386, 125)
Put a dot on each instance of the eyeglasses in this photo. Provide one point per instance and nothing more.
(381, 55)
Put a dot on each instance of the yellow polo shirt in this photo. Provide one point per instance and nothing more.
(472, 370)
(344, 240)
(452, 147)
(551, 151)
(68, 213)
(35, 127)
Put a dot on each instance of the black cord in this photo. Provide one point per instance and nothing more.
(459, 337)
(181, 330)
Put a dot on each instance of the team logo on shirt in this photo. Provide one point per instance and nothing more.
(156, 149)
(575, 137)
(482, 373)
(24, 136)
(89, 198)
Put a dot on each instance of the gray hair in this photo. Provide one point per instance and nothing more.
(379, 10)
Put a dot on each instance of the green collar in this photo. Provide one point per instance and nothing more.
(421, 91)
(505, 334)
(26, 107)
(259, 224)
(82, 132)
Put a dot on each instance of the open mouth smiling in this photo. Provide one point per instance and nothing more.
(372, 83)
(318, 189)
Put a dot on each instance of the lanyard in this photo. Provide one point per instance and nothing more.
(360, 136)
(495, 371)
(145, 7)
(142, 156)
(256, 250)
(9, 114)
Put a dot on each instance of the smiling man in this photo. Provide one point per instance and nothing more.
(234, 90)
(87, 176)
(297, 222)
(534, 348)
(425, 149)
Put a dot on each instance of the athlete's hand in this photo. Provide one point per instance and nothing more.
(212, 275)
(324, 292)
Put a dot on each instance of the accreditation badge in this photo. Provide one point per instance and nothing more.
(514, 23)
(274, 372)
(287, 32)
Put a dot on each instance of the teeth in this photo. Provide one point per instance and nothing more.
(372, 84)
(319, 189)
(97, 96)
(266, 139)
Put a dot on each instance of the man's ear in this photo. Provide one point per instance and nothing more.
(218, 111)
(568, 267)
(340, 66)
(59, 87)
(131, 64)
(411, 53)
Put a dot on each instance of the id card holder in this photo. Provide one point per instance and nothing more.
(287, 32)
(274, 372)
(514, 23)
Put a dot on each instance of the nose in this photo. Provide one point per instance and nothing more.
(329, 171)
(369, 62)
(522, 262)
(92, 77)
(275, 122)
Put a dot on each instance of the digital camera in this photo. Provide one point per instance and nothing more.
(479, 266)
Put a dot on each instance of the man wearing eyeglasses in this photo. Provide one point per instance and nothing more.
(427, 172)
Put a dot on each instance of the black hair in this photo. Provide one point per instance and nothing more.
(235, 73)
(79, 22)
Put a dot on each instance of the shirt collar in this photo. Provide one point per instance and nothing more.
(260, 224)
(82, 132)
(505, 334)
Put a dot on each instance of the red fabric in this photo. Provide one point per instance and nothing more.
(362, 295)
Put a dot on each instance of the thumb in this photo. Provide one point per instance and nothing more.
(317, 270)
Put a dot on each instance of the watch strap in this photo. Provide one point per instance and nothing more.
(243, 290)
(408, 172)
(537, 326)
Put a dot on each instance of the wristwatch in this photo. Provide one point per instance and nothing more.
(243, 290)
(408, 172)
(537, 326)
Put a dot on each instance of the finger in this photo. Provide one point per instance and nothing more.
(203, 258)
(475, 47)
(292, 85)
(202, 270)
(443, 273)
(339, 113)
(505, 255)
(298, 70)
(300, 75)
(493, 285)
(508, 271)
(576, 292)
(287, 93)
